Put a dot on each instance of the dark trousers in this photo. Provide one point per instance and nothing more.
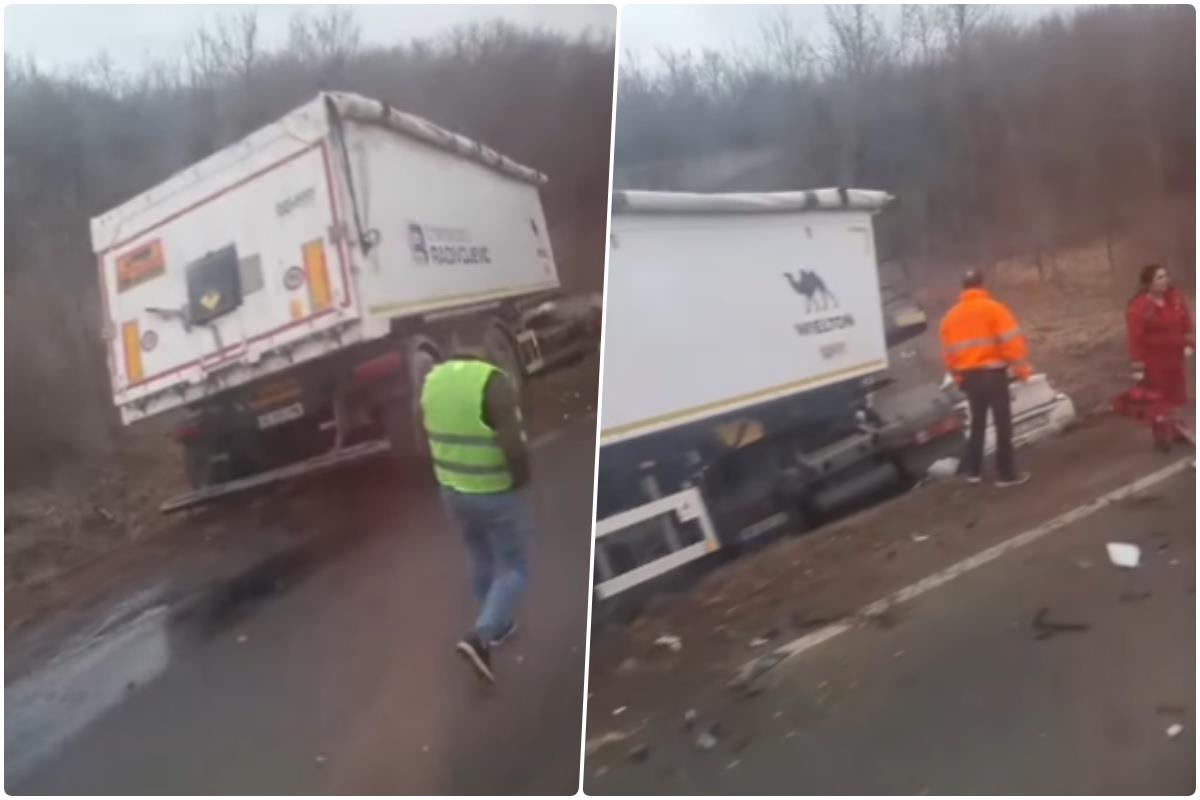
(987, 389)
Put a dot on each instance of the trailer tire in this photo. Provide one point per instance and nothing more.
(403, 420)
(197, 463)
(502, 351)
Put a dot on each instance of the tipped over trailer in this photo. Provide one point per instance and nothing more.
(289, 293)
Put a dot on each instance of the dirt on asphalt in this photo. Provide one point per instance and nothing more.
(97, 535)
(1074, 320)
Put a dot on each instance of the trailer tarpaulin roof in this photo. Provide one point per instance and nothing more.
(644, 202)
(364, 109)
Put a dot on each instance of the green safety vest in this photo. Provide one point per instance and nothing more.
(466, 455)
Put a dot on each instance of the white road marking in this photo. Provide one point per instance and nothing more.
(819, 637)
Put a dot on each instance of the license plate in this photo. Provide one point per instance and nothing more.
(281, 415)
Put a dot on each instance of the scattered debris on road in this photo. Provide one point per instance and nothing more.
(638, 754)
(708, 739)
(751, 672)
(672, 643)
(1174, 730)
(1045, 628)
(618, 711)
(758, 642)
(942, 469)
(689, 718)
(918, 538)
(597, 744)
(1124, 555)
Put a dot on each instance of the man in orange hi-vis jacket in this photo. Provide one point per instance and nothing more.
(982, 346)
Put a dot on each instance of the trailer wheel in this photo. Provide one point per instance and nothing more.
(403, 420)
(197, 462)
(503, 353)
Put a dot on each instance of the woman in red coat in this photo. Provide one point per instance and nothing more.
(1161, 337)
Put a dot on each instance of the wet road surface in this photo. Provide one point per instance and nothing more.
(348, 681)
(959, 696)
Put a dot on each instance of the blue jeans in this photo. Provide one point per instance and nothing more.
(496, 529)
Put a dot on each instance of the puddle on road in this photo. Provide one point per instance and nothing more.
(46, 708)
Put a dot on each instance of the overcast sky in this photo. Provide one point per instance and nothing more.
(60, 37)
(646, 29)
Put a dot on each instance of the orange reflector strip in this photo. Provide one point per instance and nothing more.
(133, 351)
(318, 274)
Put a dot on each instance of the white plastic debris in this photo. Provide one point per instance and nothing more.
(920, 537)
(691, 716)
(673, 643)
(619, 711)
(1174, 730)
(759, 642)
(943, 468)
(706, 741)
(1124, 555)
(242, 639)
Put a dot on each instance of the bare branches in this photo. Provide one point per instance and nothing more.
(784, 50)
(860, 46)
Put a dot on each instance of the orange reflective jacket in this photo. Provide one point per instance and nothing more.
(981, 333)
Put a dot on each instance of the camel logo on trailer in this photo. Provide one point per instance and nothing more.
(809, 284)
(818, 297)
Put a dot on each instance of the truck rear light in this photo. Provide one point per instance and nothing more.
(317, 273)
(133, 351)
(379, 367)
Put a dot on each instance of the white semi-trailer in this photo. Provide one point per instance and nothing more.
(292, 290)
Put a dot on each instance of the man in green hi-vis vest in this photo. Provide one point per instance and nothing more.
(472, 419)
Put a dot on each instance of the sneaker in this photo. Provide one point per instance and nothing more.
(973, 479)
(476, 654)
(1005, 483)
(504, 635)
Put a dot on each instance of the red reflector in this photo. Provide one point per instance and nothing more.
(379, 367)
(187, 431)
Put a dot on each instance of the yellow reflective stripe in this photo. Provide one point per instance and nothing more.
(469, 469)
(967, 344)
(1004, 337)
(457, 438)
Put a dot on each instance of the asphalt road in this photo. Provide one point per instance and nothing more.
(348, 682)
(961, 697)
